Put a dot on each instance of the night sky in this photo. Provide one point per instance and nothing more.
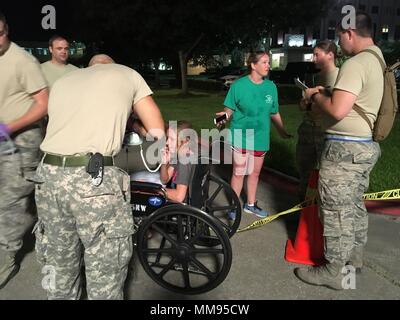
(25, 18)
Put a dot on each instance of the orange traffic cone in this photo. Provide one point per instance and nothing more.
(308, 248)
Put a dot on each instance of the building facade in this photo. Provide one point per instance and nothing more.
(295, 44)
(385, 15)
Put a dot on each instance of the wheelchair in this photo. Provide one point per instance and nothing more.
(189, 250)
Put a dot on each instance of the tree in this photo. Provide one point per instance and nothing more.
(181, 29)
(391, 51)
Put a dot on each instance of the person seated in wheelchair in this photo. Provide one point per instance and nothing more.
(176, 171)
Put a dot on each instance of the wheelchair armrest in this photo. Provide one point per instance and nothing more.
(145, 185)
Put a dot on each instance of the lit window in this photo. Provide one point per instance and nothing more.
(296, 40)
(308, 57)
(277, 60)
(281, 37)
(385, 29)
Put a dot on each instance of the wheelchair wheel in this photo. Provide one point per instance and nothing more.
(220, 200)
(173, 257)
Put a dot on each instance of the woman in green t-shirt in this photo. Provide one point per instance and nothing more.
(251, 104)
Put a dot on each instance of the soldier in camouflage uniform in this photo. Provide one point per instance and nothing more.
(311, 135)
(23, 102)
(79, 214)
(349, 155)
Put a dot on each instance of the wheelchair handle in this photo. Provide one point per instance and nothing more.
(140, 185)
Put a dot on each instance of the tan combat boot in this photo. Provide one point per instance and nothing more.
(8, 269)
(356, 258)
(329, 275)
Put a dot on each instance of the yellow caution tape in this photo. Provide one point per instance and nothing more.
(384, 195)
(378, 196)
(262, 222)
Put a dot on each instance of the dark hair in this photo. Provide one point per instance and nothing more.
(180, 125)
(3, 18)
(364, 26)
(327, 46)
(183, 124)
(254, 57)
(56, 37)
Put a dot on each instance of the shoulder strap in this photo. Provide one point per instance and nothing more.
(384, 66)
(395, 66)
(356, 107)
(363, 115)
(381, 61)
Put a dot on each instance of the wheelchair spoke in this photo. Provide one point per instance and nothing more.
(162, 245)
(195, 238)
(215, 194)
(225, 208)
(203, 268)
(165, 235)
(180, 229)
(185, 273)
(189, 226)
(159, 251)
(167, 268)
(200, 233)
(225, 226)
(208, 250)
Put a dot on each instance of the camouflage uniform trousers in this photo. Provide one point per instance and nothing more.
(74, 214)
(308, 152)
(344, 178)
(16, 189)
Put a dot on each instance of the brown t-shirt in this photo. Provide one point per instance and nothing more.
(362, 76)
(328, 81)
(20, 77)
(53, 72)
(89, 109)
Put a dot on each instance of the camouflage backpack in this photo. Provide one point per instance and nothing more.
(389, 105)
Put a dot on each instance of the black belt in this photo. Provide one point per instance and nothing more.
(71, 161)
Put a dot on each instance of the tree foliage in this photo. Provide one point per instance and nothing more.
(142, 30)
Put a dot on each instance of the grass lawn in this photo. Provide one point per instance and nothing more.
(199, 108)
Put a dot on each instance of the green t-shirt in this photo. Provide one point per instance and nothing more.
(253, 105)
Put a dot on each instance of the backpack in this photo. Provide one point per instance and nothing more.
(389, 105)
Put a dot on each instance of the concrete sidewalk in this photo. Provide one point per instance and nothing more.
(259, 270)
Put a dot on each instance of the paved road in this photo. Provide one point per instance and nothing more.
(259, 270)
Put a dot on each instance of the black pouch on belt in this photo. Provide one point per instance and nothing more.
(96, 168)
